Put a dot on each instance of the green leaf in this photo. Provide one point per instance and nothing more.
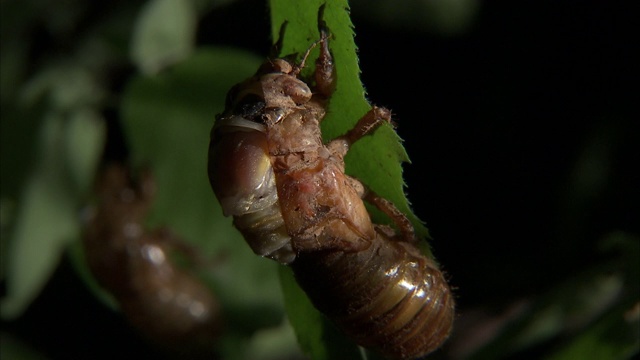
(84, 146)
(47, 219)
(317, 337)
(273, 344)
(164, 34)
(305, 319)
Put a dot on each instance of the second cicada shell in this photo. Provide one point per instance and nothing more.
(166, 303)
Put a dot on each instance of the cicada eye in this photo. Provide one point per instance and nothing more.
(249, 106)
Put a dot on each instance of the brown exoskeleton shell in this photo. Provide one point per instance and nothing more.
(165, 302)
(292, 201)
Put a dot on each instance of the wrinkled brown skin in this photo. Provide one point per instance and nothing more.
(166, 303)
(371, 281)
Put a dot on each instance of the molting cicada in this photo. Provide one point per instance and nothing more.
(290, 198)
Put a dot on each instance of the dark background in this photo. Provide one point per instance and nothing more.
(495, 122)
(500, 122)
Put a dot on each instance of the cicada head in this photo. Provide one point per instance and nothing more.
(274, 86)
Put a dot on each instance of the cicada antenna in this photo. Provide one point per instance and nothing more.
(324, 36)
(301, 64)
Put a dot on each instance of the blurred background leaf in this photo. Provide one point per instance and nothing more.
(47, 219)
(12, 348)
(164, 34)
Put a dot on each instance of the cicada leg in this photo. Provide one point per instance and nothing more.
(407, 232)
(404, 225)
(338, 147)
(369, 123)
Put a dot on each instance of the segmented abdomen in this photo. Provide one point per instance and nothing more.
(266, 234)
(389, 297)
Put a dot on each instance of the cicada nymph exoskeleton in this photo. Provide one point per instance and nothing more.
(167, 303)
(290, 198)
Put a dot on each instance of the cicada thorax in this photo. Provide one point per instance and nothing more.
(167, 303)
(388, 297)
(322, 211)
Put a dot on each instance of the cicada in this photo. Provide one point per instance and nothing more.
(167, 303)
(291, 199)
